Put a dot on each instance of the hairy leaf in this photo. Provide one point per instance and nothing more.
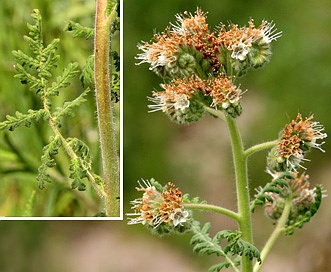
(62, 81)
(79, 30)
(47, 160)
(23, 119)
(67, 108)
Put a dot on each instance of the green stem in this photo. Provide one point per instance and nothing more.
(208, 207)
(275, 234)
(110, 161)
(243, 198)
(216, 113)
(260, 147)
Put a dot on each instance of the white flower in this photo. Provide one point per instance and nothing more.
(179, 216)
(269, 32)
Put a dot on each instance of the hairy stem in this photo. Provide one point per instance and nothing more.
(243, 198)
(260, 147)
(110, 161)
(208, 207)
(214, 112)
(275, 234)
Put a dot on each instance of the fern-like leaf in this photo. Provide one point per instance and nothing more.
(78, 173)
(80, 165)
(47, 160)
(19, 119)
(218, 267)
(87, 76)
(35, 32)
(62, 81)
(79, 31)
(236, 246)
(68, 106)
(204, 244)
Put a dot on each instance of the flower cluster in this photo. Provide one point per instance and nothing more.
(160, 208)
(183, 99)
(296, 140)
(189, 51)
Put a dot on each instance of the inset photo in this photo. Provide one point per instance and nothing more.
(60, 114)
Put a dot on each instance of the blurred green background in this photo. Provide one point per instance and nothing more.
(196, 158)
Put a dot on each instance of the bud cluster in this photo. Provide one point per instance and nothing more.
(160, 208)
(189, 51)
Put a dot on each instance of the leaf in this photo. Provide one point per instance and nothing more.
(236, 246)
(77, 174)
(87, 76)
(62, 81)
(35, 84)
(79, 30)
(80, 165)
(82, 151)
(47, 160)
(23, 119)
(67, 108)
(203, 243)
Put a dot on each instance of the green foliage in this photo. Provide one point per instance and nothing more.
(37, 71)
(47, 160)
(79, 31)
(68, 107)
(205, 245)
(23, 119)
(79, 165)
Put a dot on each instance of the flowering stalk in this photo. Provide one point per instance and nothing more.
(275, 234)
(260, 147)
(212, 208)
(199, 68)
(243, 199)
(110, 162)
